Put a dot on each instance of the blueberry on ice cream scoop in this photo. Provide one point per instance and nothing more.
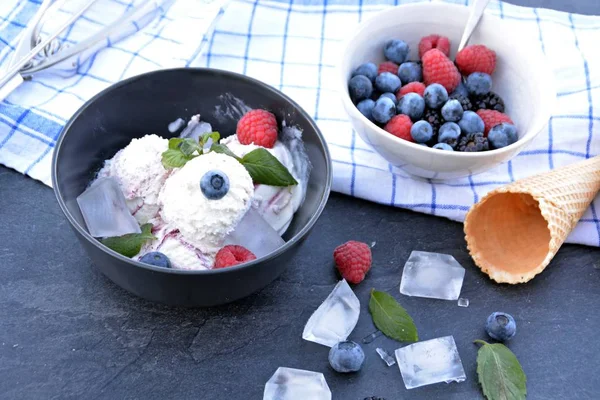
(214, 184)
(501, 326)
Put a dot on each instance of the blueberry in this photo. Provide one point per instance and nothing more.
(452, 111)
(390, 96)
(360, 88)
(346, 357)
(396, 51)
(443, 146)
(461, 89)
(421, 131)
(471, 122)
(214, 184)
(501, 326)
(411, 104)
(366, 108)
(387, 82)
(410, 72)
(367, 69)
(157, 259)
(384, 110)
(435, 95)
(479, 84)
(449, 134)
(502, 135)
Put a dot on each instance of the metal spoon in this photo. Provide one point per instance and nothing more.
(477, 9)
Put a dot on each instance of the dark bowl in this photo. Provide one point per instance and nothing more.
(146, 104)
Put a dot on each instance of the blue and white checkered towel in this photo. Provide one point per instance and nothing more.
(292, 45)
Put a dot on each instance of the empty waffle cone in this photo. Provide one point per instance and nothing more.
(514, 231)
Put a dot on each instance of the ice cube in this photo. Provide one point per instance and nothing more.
(385, 356)
(195, 128)
(433, 275)
(296, 384)
(335, 318)
(105, 210)
(462, 302)
(431, 361)
(245, 234)
(372, 336)
(176, 125)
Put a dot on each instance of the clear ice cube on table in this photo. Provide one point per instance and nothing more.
(335, 318)
(433, 275)
(385, 356)
(463, 302)
(105, 211)
(255, 234)
(431, 361)
(296, 384)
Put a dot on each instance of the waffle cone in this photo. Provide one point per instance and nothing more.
(514, 231)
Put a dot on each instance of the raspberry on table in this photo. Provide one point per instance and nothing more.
(353, 260)
(259, 127)
(413, 87)
(476, 58)
(492, 118)
(442, 43)
(399, 126)
(232, 255)
(437, 68)
(387, 66)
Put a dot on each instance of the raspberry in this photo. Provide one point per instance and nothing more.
(388, 66)
(442, 43)
(437, 68)
(413, 87)
(399, 126)
(476, 58)
(258, 127)
(492, 118)
(353, 260)
(232, 255)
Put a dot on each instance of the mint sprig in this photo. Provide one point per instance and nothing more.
(131, 244)
(500, 373)
(262, 166)
(391, 318)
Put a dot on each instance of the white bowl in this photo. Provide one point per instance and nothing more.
(522, 78)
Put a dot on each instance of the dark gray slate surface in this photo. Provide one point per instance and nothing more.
(67, 332)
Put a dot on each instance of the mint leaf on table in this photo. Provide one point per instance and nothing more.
(131, 244)
(265, 168)
(391, 319)
(500, 373)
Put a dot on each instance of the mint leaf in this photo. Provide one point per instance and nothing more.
(221, 148)
(265, 168)
(189, 146)
(131, 244)
(500, 373)
(173, 158)
(174, 143)
(216, 136)
(391, 319)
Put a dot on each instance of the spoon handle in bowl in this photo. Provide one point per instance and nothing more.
(477, 9)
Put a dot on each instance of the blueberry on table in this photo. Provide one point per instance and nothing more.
(413, 105)
(421, 131)
(214, 184)
(471, 123)
(346, 357)
(435, 95)
(410, 72)
(396, 51)
(452, 111)
(367, 69)
(157, 259)
(360, 88)
(479, 84)
(384, 110)
(366, 108)
(501, 326)
(387, 82)
(449, 134)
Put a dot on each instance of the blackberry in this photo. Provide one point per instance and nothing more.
(473, 142)
(464, 101)
(434, 117)
(490, 101)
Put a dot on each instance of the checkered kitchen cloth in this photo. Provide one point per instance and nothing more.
(292, 45)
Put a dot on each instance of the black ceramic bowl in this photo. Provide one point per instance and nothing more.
(146, 104)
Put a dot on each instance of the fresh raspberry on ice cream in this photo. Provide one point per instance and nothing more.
(258, 127)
